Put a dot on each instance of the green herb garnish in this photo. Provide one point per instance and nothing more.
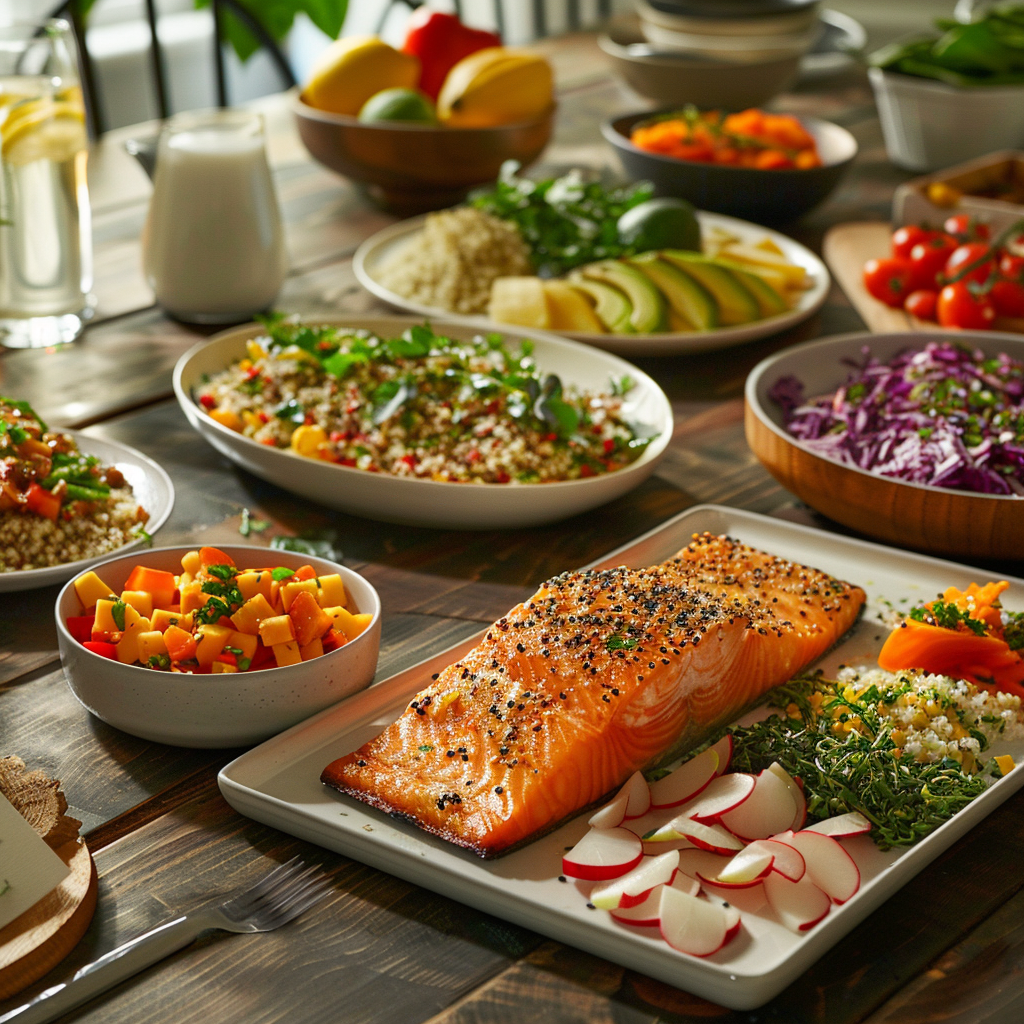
(117, 614)
(618, 642)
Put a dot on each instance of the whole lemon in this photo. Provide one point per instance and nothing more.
(353, 69)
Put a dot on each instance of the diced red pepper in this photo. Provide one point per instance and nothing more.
(263, 658)
(80, 627)
(305, 572)
(609, 446)
(208, 401)
(102, 649)
(332, 640)
(42, 502)
(227, 658)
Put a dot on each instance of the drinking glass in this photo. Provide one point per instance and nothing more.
(45, 227)
(213, 247)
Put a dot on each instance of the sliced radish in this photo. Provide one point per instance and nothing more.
(842, 826)
(603, 853)
(798, 905)
(715, 838)
(770, 809)
(799, 801)
(638, 796)
(721, 794)
(701, 863)
(829, 866)
(732, 916)
(686, 781)
(694, 925)
(652, 849)
(648, 912)
(750, 899)
(611, 815)
(748, 867)
(788, 861)
(632, 888)
(724, 750)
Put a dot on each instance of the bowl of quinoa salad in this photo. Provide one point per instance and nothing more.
(390, 419)
(68, 500)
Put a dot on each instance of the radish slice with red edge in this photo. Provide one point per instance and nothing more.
(721, 794)
(694, 925)
(648, 913)
(748, 867)
(829, 866)
(798, 905)
(842, 826)
(799, 801)
(686, 781)
(724, 750)
(788, 861)
(770, 809)
(603, 853)
(638, 796)
(714, 838)
(612, 814)
(632, 888)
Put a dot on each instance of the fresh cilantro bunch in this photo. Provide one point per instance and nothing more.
(565, 221)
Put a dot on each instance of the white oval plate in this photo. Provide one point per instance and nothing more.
(435, 503)
(377, 248)
(151, 486)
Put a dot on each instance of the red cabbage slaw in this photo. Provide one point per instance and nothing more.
(946, 415)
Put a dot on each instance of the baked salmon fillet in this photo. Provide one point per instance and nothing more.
(599, 674)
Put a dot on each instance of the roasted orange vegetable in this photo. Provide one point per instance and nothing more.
(960, 635)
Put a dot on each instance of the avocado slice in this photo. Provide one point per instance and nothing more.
(649, 312)
(687, 296)
(736, 302)
(770, 301)
(613, 309)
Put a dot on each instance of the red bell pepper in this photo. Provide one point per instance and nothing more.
(103, 650)
(42, 502)
(80, 627)
(440, 41)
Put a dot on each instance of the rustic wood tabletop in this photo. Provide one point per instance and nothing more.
(949, 946)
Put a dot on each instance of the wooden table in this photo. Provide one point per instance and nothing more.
(949, 946)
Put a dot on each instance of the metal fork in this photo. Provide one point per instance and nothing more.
(278, 898)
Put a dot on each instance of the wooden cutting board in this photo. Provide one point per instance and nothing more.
(846, 248)
(39, 939)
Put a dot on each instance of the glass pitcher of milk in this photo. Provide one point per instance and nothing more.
(213, 247)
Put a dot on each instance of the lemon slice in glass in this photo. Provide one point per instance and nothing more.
(42, 130)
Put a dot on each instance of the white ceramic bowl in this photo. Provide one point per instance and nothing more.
(928, 125)
(225, 709)
(446, 505)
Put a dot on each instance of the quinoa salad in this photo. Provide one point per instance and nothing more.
(422, 406)
(57, 505)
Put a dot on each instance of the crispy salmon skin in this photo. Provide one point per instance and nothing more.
(600, 673)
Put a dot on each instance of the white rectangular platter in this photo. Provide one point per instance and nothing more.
(279, 783)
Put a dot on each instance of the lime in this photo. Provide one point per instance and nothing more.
(399, 105)
(660, 224)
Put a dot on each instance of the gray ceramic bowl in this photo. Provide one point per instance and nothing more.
(222, 710)
(677, 79)
(746, 192)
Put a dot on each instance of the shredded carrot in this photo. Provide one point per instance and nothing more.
(975, 650)
(751, 138)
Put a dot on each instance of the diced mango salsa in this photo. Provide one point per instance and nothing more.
(215, 617)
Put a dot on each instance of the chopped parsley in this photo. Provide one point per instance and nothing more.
(618, 642)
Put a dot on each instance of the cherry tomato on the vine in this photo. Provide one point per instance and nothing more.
(1011, 267)
(888, 280)
(905, 238)
(967, 227)
(1008, 298)
(928, 259)
(958, 306)
(921, 303)
(971, 253)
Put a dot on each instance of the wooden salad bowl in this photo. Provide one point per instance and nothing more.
(412, 168)
(909, 515)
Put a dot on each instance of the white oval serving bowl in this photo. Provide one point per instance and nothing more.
(226, 709)
(445, 505)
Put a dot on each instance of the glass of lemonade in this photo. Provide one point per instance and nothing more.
(45, 231)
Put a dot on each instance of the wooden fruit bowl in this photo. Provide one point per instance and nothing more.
(908, 515)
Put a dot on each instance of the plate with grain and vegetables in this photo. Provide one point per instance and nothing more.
(611, 266)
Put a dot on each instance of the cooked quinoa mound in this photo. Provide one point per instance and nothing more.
(935, 717)
(423, 406)
(452, 263)
(32, 542)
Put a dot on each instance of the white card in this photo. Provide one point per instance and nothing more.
(29, 869)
